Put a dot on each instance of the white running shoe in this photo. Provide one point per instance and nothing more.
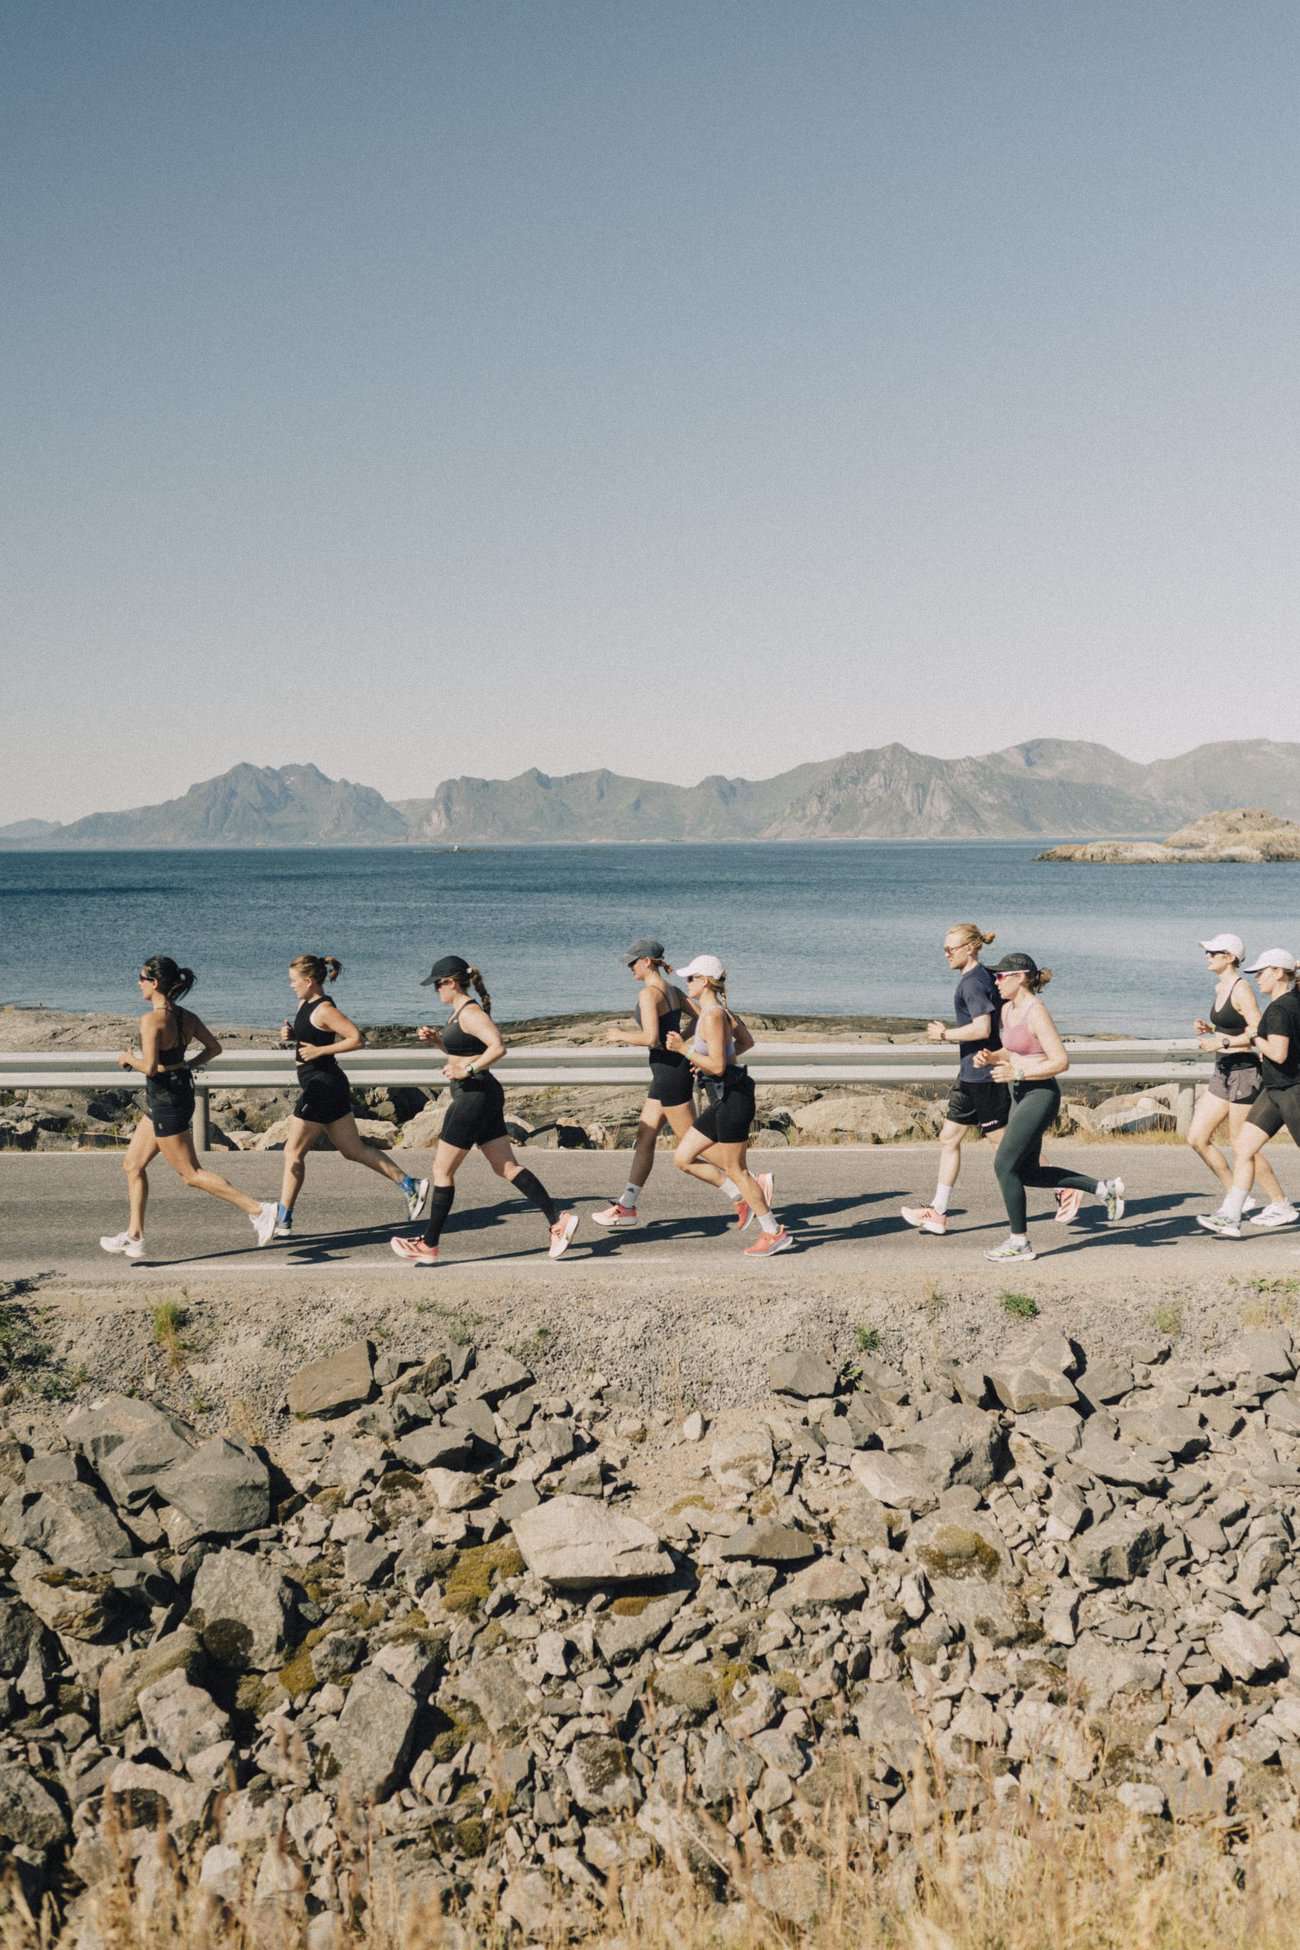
(1220, 1225)
(1010, 1249)
(562, 1232)
(125, 1243)
(264, 1221)
(617, 1217)
(1114, 1196)
(1272, 1216)
(415, 1200)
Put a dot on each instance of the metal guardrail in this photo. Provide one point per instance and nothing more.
(608, 1064)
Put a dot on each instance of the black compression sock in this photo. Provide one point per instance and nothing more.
(536, 1194)
(439, 1206)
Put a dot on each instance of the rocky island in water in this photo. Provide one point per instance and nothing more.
(1248, 836)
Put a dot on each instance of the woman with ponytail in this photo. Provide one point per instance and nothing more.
(660, 1008)
(1030, 1060)
(166, 1032)
(321, 1033)
(974, 1102)
(716, 1148)
(472, 1043)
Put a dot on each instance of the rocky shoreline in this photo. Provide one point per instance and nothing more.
(454, 1637)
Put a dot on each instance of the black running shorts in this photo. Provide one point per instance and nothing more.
(728, 1116)
(1274, 1108)
(324, 1098)
(169, 1102)
(671, 1083)
(983, 1106)
(476, 1115)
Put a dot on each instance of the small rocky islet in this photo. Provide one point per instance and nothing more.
(443, 1620)
(1249, 836)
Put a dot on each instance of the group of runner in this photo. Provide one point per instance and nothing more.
(1006, 1089)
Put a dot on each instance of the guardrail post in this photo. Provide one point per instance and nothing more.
(202, 1123)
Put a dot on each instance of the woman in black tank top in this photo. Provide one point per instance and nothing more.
(472, 1043)
(1236, 1081)
(671, 1096)
(166, 1032)
(321, 1033)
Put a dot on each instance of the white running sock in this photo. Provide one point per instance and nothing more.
(942, 1194)
(1232, 1204)
(730, 1190)
(768, 1224)
(630, 1195)
(1017, 1238)
(1101, 1188)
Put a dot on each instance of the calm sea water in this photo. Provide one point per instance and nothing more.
(823, 928)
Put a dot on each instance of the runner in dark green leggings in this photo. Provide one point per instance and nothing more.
(1031, 1058)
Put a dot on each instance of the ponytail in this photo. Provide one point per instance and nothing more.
(475, 976)
(173, 981)
(321, 968)
(1039, 981)
(971, 935)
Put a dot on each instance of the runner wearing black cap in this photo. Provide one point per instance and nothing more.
(1236, 1082)
(975, 1103)
(660, 1007)
(1277, 1042)
(472, 1043)
(1031, 1058)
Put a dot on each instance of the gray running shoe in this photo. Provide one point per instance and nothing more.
(415, 1200)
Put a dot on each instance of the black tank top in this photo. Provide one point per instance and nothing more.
(670, 1020)
(1229, 1020)
(459, 1042)
(172, 1055)
(305, 1031)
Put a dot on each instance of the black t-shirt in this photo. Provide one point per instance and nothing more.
(1282, 1018)
(977, 995)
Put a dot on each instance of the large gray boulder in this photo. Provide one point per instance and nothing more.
(600, 1776)
(1117, 1550)
(372, 1741)
(335, 1384)
(124, 1677)
(900, 1482)
(130, 1444)
(223, 1488)
(180, 1718)
(245, 1606)
(802, 1375)
(30, 1817)
(70, 1525)
(742, 1461)
(956, 1445)
(573, 1542)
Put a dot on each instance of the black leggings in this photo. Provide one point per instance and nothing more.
(1019, 1159)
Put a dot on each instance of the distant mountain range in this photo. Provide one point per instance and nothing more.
(1052, 787)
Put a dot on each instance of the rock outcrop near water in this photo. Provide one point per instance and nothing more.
(1249, 837)
(435, 1626)
(1045, 786)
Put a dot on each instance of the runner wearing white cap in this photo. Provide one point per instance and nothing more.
(1236, 1082)
(723, 1127)
(1277, 1041)
(671, 1096)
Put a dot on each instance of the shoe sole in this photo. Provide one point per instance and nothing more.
(1215, 1232)
(785, 1245)
(925, 1225)
(120, 1252)
(616, 1225)
(410, 1259)
(1011, 1259)
(1274, 1225)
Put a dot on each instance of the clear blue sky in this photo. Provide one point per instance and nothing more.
(679, 385)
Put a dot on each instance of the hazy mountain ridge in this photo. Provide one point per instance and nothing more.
(1051, 788)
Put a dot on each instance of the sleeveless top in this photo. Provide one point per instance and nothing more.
(1020, 1039)
(670, 1020)
(461, 1042)
(701, 1047)
(172, 1055)
(1231, 1022)
(305, 1031)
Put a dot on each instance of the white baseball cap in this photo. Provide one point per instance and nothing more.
(1225, 944)
(1273, 958)
(703, 965)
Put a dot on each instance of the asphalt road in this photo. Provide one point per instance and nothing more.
(841, 1203)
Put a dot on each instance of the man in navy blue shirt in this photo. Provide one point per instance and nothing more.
(974, 1103)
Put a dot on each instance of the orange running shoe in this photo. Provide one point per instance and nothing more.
(1068, 1201)
(768, 1243)
(414, 1251)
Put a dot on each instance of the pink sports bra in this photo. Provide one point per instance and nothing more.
(1020, 1039)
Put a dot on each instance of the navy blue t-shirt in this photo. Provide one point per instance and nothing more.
(977, 995)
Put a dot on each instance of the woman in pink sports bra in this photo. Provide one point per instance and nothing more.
(1031, 1058)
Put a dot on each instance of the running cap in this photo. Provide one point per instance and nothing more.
(1273, 958)
(1225, 944)
(703, 965)
(449, 965)
(644, 946)
(1015, 965)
